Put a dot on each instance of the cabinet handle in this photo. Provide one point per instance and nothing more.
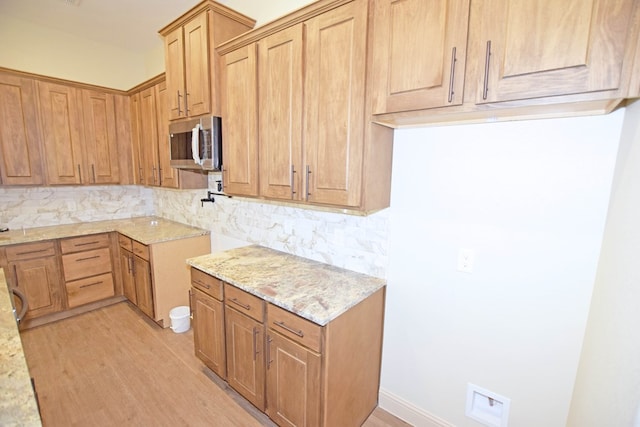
(91, 284)
(186, 103)
(160, 176)
(25, 304)
(87, 258)
(288, 328)
(133, 265)
(245, 306)
(93, 173)
(452, 75)
(293, 181)
(87, 243)
(179, 110)
(204, 285)
(255, 343)
(32, 252)
(307, 184)
(130, 264)
(191, 303)
(224, 171)
(269, 339)
(487, 60)
(79, 174)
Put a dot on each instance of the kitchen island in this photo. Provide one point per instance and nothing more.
(18, 405)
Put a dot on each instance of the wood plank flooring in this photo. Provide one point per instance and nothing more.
(114, 366)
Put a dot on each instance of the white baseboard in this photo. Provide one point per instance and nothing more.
(408, 412)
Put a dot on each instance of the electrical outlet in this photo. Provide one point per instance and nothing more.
(466, 258)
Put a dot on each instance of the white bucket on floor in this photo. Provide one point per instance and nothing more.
(180, 319)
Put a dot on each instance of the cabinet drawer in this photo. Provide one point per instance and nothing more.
(294, 327)
(125, 242)
(141, 250)
(206, 283)
(30, 250)
(86, 264)
(244, 302)
(84, 243)
(89, 290)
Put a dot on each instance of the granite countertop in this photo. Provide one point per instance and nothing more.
(313, 290)
(146, 230)
(17, 401)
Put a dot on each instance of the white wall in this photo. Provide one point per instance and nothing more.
(607, 389)
(531, 199)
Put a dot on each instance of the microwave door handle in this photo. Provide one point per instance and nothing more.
(195, 144)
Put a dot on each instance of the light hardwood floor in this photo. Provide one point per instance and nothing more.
(114, 366)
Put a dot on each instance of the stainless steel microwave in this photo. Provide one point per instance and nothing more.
(196, 143)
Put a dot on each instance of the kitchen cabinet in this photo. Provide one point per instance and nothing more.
(87, 269)
(151, 140)
(136, 274)
(20, 150)
(192, 65)
(137, 156)
(319, 148)
(419, 51)
(239, 93)
(80, 135)
(244, 317)
(208, 321)
(34, 269)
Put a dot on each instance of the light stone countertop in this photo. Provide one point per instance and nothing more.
(146, 230)
(313, 290)
(17, 401)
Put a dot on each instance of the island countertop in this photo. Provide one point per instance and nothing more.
(146, 230)
(313, 290)
(17, 401)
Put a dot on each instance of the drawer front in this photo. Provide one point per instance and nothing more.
(294, 327)
(88, 290)
(125, 242)
(206, 283)
(141, 250)
(30, 251)
(84, 243)
(86, 264)
(244, 302)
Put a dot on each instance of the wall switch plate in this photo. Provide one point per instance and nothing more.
(466, 258)
(487, 407)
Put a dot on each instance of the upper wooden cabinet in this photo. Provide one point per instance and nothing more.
(240, 121)
(315, 141)
(79, 135)
(20, 152)
(547, 48)
(192, 65)
(420, 51)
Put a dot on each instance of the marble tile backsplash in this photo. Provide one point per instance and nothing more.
(42, 206)
(353, 242)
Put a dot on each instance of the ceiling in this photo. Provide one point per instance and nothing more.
(128, 24)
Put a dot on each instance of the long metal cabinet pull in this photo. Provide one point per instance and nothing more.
(93, 173)
(87, 258)
(269, 339)
(160, 176)
(95, 242)
(307, 184)
(245, 306)
(91, 284)
(79, 174)
(179, 110)
(290, 329)
(452, 74)
(186, 103)
(25, 304)
(255, 343)
(32, 252)
(130, 264)
(293, 181)
(487, 61)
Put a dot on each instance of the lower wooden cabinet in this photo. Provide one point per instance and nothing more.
(136, 275)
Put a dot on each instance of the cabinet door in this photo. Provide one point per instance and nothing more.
(335, 64)
(547, 47)
(136, 119)
(293, 383)
(280, 117)
(100, 137)
(128, 281)
(20, 156)
(240, 121)
(196, 63)
(63, 133)
(149, 135)
(208, 329)
(174, 62)
(40, 280)
(245, 356)
(167, 176)
(144, 291)
(419, 53)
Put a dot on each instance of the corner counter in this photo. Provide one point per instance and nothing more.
(17, 400)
